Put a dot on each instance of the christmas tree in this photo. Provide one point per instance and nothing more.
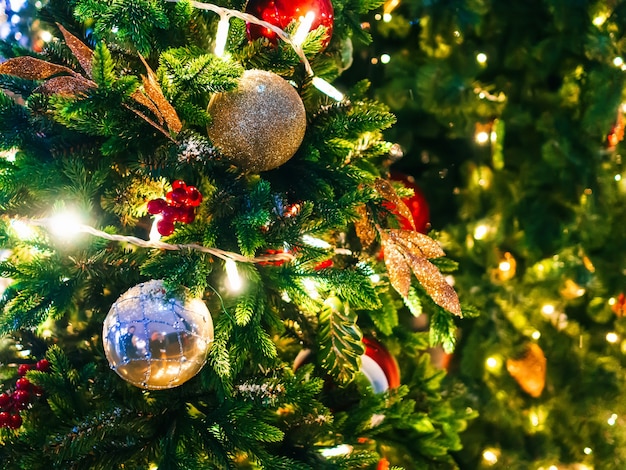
(511, 119)
(205, 262)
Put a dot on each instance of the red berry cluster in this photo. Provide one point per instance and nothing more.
(179, 205)
(19, 399)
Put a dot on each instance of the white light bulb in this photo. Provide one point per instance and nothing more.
(481, 232)
(65, 225)
(343, 449)
(316, 242)
(155, 236)
(482, 137)
(492, 363)
(481, 58)
(9, 155)
(326, 88)
(232, 273)
(612, 420)
(23, 230)
(599, 20)
(221, 36)
(490, 457)
(304, 27)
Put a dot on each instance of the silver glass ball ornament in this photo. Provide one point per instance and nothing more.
(156, 341)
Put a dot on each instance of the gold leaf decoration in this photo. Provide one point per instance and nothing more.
(416, 242)
(364, 227)
(530, 370)
(65, 86)
(397, 267)
(142, 99)
(153, 91)
(32, 68)
(407, 251)
(394, 203)
(80, 50)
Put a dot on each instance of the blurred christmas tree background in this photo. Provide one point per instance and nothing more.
(510, 117)
(510, 126)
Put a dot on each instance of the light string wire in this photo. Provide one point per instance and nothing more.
(226, 13)
(159, 245)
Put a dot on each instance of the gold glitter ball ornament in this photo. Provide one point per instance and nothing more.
(155, 341)
(259, 125)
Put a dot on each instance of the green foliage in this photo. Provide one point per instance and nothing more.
(340, 340)
(136, 24)
(14, 119)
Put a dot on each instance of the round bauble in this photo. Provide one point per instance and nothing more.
(379, 366)
(417, 204)
(261, 124)
(282, 12)
(155, 341)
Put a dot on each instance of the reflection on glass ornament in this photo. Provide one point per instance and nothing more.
(156, 341)
(379, 366)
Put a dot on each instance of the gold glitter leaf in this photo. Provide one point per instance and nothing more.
(417, 243)
(66, 86)
(405, 253)
(530, 370)
(31, 68)
(394, 203)
(364, 227)
(397, 267)
(153, 91)
(434, 283)
(80, 50)
(142, 99)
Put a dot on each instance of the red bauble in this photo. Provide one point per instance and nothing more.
(165, 227)
(15, 421)
(282, 12)
(20, 399)
(379, 366)
(23, 384)
(23, 368)
(5, 400)
(417, 204)
(43, 365)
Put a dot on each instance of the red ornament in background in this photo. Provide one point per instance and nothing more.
(383, 464)
(619, 307)
(379, 366)
(417, 204)
(282, 12)
(617, 132)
